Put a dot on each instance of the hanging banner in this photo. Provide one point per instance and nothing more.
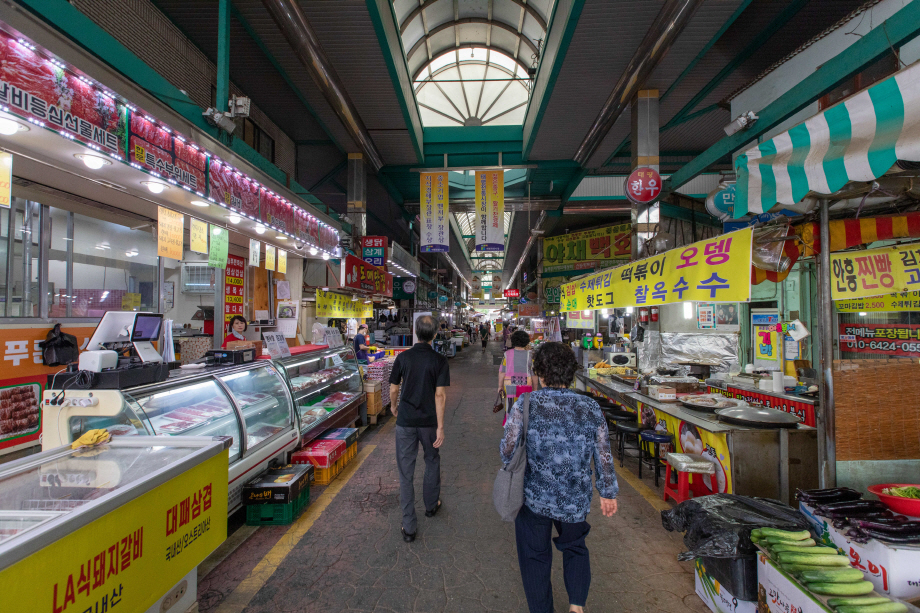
(233, 287)
(374, 250)
(276, 211)
(6, 179)
(156, 149)
(904, 301)
(901, 340)
(269, 257)
(433, 196)
(586, 250)
(282, 261)
(254, 252)
(875, 272)
(233, 188)
(714, 270)
(577, 319)
(358, 274)
(339, 306)
(490, 210)
(170, 233)
(220, 244)
(198, 236)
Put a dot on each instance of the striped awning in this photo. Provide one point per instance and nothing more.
(858, 139)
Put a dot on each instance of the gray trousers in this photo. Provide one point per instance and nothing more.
(407, 441)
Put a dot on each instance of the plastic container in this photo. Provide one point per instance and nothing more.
(277, 514)
(898, 504)
(738, 575)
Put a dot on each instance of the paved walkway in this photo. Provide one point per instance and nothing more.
(346, 553)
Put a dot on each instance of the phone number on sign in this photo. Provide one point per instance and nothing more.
(884, 346)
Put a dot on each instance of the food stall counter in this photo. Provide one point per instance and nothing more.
(797, 404)
(299, 350)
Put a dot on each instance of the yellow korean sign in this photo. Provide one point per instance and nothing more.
(6, 179)
(588, 249)
(282, 261)
(170, 233)
(198, 236)
(340, 306)
(904, 301)
(490, 210)
(127, 559)
(875, 272)
(269, 257)
(714, 270)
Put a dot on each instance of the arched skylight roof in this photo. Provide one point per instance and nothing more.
(472, 87)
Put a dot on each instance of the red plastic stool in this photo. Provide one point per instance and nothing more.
(682, 492)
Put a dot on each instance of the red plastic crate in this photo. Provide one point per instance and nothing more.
(320, 453)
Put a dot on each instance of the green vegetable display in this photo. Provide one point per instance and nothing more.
(858, 588)
(857, 600)
(908, 491)
(800, 535)
(839, 575)
(773, 540)
(887, 607)
(791, 557)
(797, 549)
(795, 569)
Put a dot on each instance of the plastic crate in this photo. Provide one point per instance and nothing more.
(325, 476)
(277, 514)
(738, 575)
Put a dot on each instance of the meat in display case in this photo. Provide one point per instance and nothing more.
(326, 387)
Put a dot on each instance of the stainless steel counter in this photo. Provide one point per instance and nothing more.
(751, 388)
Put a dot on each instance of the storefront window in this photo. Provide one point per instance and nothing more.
(19, 246)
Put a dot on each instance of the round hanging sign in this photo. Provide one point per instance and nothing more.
(408, 286)
(643, 185)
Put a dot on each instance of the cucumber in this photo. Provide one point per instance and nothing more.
(792, 536)
(858, 588)
(886, 607)
(756, 532)
(790, 557)
(858, 600)
(842, 575)
(809, 542)
(810, 550)
(795, 569)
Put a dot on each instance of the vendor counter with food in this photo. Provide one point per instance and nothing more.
(801, 403)
(752, 456)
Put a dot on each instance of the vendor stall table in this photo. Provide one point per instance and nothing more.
(796, 404)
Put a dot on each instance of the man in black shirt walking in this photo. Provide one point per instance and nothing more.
(418, 393)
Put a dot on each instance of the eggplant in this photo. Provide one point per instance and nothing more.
(855, 513)
(836, 494)
(892, 538)
(910, 527)
(851, 504)
(894, 520)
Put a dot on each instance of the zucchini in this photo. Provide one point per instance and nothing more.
(858, 600)
(756, 532)
(792, 536)
(886, 607)
(795, 569)
(858, 588)
(791, 557)
(809, 542)
(812, 550)
(841, 575)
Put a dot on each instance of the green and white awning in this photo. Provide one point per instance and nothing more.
(858, 139)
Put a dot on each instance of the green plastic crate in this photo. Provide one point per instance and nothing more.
(277, 514)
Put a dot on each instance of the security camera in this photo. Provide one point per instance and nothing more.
(219, 120)
(298, 246)
(742, 122)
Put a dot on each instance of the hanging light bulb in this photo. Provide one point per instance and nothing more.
(8, 127)
(93, 162)
(313, 251)
(234, 218)
(260, 229)
(325, 255)
(155, 187)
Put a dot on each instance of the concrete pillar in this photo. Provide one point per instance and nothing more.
(357, 194)
(644, 152)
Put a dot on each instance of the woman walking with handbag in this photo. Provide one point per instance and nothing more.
(515, 377)
(564, 432)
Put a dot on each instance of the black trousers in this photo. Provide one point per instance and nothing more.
(533, 533)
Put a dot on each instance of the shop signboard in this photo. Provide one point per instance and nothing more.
(577, 319)
(374, 250)
(302, 226)
(512, 293)
(529, 310)
(198, 236)
(6, 179)
(403, 288)
(233, 287)
(643, 185)
(490, 210)
(269, 257)
(358, 274)
(282, 261)
(275, 211)
(713, 270)
(255, 252)
(220, 244)
(36, 88)
(127, 559)
(170, 233)
(433, 213)
(889, 303)
(339, 306)
(158, 150)
(228, 185)
(802, 409)
(875, 272)
(901, 340)
(588, 249)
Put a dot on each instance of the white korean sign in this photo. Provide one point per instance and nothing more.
(433, 199)
(490, 210)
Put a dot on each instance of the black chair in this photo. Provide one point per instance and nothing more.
(656, 438)
(613, 417)
(625, 429)
(584, 393)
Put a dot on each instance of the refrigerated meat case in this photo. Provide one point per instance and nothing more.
(326, 386)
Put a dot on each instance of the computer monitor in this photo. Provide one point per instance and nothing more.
(146, 327)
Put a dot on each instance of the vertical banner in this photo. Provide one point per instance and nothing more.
(220, 244)
(269, 257)
(233, 287)
(433, 212)
(254, 252)
(170, 233)
(282, 261)
(490, 210)
(198, 236)
(6, 179)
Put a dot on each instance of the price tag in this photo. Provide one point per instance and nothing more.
(336, 360)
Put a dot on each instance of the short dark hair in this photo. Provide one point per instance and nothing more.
(425, 328)
(555, 363)
(519, 338)
(240, 318)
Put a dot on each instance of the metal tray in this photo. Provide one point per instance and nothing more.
(758, 417)
(709, 409)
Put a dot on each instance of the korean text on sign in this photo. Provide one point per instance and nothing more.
(433, 193)
(875, 272)
(714, 270)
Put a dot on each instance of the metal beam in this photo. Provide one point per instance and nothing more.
(474, 20)
(329, 175)
(417, 11)
(900, 28)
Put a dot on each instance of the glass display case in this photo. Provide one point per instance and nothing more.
(326, 386)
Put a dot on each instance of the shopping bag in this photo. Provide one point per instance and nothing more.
(59, 348)
(508, 490)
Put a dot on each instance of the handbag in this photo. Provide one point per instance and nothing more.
(508, 491)
(59, 348)
(499, 402)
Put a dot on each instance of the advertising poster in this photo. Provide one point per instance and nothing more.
(220, 245)
(269, 257)
(358, 274)
(490, 210)
(433, 213)
(586, 250)
(6, 179)
(233, 287)
(276, 211)
(339, 306)
(691, 439)
(170, 233)
(198, 236)
(727, 316)
(157, 150)
(765, 344)
(875, 272)
(901, 340)
(705, 316)
(233, 188)
(282, 261)
(713, 270)
(255, 252)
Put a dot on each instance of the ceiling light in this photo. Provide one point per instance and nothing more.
(200, 203)
(325, 289)
(93, 162)
(281, 237)
(313, 251)
(325, 255)
(260, 229)
(234, 218)
(216, 231)
(155, 187)
(8, 126)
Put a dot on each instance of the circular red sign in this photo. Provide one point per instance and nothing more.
(643, 185)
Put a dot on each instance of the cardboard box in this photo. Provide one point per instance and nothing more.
(278, 485)
(778, 593)
(320, 453)
(349, 435)
(372, 385)
(236, 345)
(716, 597)
(661, 393)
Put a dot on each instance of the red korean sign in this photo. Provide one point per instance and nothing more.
(884, 339)
(276, 211)
(643, 185)
(803, 409)
(233, 287)
(233, 188)
(374, 250)
(512, 293)
(157, 150)
(358, 274)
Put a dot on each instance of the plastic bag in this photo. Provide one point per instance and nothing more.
(59, 348)
(719, 526)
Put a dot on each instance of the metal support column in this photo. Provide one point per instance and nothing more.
(644, 138)
(70, 241)
(28, 207)
(44, 222)
(218, 307)
(357, 195)
(223, 56)
(827, 452)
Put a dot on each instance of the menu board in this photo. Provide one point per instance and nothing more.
(233, 287)
(198, 236)
(170, 233)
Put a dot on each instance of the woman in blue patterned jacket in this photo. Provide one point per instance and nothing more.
(565, 432)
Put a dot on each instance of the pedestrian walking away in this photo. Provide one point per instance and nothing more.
(565, 432)
(515, 377)
(484, 335)
(418, 392)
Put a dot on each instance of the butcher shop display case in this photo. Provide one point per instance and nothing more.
(326, 386)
